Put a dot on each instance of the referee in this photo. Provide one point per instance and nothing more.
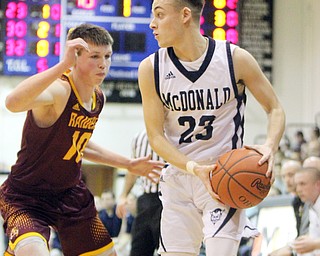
(146, 226)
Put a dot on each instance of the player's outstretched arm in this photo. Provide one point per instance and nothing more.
(142, 166)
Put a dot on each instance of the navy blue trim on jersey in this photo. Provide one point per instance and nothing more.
(231, 70)
(241, 99)
(237, 123)
(193, 75)
(156, 72)
(231, 212)
(244, 100)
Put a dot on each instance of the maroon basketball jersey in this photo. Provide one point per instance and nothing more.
(50, 158)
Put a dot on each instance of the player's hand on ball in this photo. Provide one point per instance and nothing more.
(203, 172)
(267, 156)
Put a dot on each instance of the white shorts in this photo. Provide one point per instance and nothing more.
(190, 214)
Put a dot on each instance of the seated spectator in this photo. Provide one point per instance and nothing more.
(288, 170)
(108, 213)
(299, 141)
(307, 182)
(123, 242)
(303, 209)
(312, 147)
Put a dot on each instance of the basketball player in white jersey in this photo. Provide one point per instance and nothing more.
(193, 94)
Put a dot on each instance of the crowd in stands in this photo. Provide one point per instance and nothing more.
(299, 148)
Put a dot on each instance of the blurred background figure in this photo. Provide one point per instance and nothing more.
(146, 226)
(97, 202)
(307, 182)
(299, 141)
(123, 242)
(107, 214)
(289, 171)
(312, 146)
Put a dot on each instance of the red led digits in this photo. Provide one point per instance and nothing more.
(32, 35)
(16, 10)
(42, 64)
(86, 4)
(55, 12)
(56, 50)
(16, 29)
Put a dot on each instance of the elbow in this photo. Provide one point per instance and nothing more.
(12, 103)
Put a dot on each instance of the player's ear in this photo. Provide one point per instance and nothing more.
(187, 14)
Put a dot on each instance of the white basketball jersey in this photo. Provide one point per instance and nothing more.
(203, 110)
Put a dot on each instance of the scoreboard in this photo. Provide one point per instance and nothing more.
(128, 23)
(33, 34)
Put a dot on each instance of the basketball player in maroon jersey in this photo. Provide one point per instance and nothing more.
(44, 188)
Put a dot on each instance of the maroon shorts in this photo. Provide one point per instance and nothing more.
(71, 213)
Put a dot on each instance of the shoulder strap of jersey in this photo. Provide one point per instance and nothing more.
(156, 72)
(231, 69)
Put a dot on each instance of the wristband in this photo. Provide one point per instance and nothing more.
(190, 167)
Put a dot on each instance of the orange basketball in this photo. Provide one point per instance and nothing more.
(239, 180)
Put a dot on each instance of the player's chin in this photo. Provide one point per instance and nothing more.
(99, 80)
(164, 44)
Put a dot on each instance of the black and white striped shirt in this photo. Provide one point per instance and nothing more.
(140, 148)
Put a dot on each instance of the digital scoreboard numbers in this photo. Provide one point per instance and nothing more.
(128, 23)
(31, 36)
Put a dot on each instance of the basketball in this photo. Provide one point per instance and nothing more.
(239, 180)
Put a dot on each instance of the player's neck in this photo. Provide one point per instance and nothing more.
(192, 50)
(84, 90)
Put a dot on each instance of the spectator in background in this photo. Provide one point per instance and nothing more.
(108, 213)
(312, 147)
(303, 209)
(288, 170)
(123, 242)
(97, 202)
(299, 141)
(307, 182)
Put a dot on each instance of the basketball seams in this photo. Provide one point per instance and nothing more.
(230, 187)
(226, 162)
(240, 160)
(222, 167)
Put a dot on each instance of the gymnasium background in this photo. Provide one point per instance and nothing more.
(293, 65)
